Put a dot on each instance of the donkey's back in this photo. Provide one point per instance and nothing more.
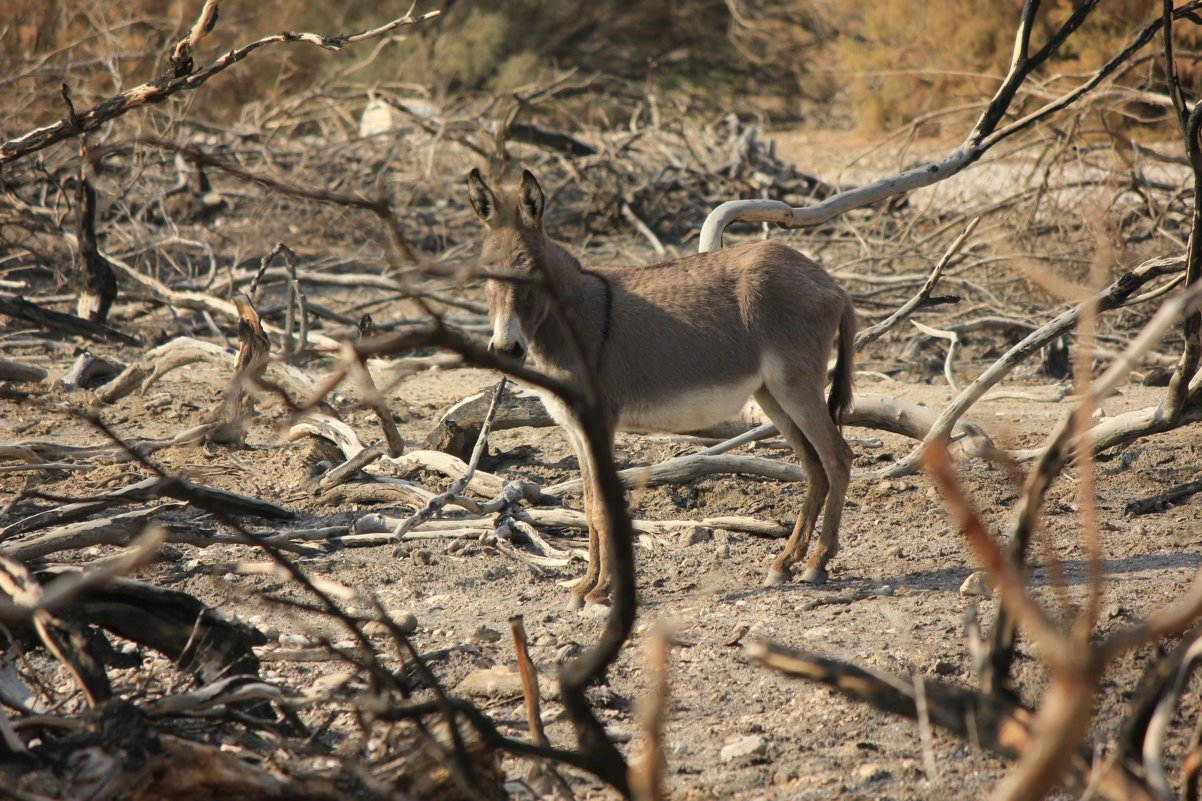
(689, 340)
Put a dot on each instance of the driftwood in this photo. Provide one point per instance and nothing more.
(995, 722)
(1111, 297)
(183, 351)
(41, 452)
(17, 371)
(115, 530)
(88, 370)
(985, 134)
(210, 499)
(95, 281)
(871, 410)
(238, 409)
(478, 526)
(459, 427)
(1160, 500)
(436, 504)
(199, 301)
(63, 323)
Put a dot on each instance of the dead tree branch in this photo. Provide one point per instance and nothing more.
(160, 89)
(984, 135)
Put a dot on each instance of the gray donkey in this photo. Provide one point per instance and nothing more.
(677, 347)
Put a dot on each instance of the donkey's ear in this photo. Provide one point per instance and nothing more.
(531, 200)
(482, 198)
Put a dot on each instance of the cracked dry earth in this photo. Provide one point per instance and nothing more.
(735, 730)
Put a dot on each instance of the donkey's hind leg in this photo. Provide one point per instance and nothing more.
(817, 487)
(803, 402)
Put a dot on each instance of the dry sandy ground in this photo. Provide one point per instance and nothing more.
(806, 741)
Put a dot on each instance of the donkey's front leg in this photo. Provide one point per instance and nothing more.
(596, 581)
(585, 586)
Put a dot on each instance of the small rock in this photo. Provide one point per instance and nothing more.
(1115, 611)
(722, 550)
(945, 668)
(567, 651)
(977, 585)
(737, 747)
(422, 556)
(499, 681)
(697, 535)
(619, 734)
(871, 772)
(595, 611)
(485, 634)
(295, 641)
(334, 680)
(403, 619)
(736, 635)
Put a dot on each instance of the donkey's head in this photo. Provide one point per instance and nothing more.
(513, 252)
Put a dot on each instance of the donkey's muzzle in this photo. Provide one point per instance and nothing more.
(514, 350)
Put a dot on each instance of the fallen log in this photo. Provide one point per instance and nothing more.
(183, 351)
(457, 429)
(210, 499)
(995, 722)
(17, 371)
(51, 320)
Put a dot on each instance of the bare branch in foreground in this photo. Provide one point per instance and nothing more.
(162, 88)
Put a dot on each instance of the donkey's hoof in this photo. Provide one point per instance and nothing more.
(776, 578)
(575, 602)
(814, 575)
(596, 609)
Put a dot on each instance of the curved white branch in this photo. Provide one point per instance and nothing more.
(782, 214)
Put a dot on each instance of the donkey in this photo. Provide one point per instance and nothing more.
(678, 347)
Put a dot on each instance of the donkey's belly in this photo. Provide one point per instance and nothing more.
(689, 409)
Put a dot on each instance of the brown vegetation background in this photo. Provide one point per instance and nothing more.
(833, 63)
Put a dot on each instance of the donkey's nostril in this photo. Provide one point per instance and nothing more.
(518, 351)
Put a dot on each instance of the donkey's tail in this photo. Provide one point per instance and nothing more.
(839, 401)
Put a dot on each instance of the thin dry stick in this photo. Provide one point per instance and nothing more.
(1158, 726)
(529, 678)
(953, 348)
(924, 728)
(540, 769)
(356, 369)
(436, 504)
(647, 777)
(923, 296)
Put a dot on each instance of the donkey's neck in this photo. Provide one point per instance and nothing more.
(582, 295)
